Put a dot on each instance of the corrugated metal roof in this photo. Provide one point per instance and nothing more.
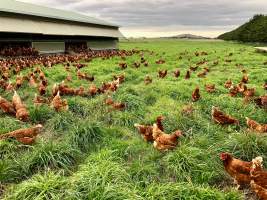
(23, 25)
(18, 7)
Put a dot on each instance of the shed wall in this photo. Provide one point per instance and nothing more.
(49, 47)
(102, 44)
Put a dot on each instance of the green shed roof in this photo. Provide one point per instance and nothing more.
(18, 7)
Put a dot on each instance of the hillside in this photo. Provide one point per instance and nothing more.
(188, 36)
(252, 31)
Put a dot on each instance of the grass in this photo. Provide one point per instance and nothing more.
(91, 153)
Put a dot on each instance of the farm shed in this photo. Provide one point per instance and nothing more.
(52, 30)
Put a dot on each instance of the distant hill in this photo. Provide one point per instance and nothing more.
(188, 36)
(253, 31)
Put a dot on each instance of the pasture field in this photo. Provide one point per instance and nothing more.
(90, 152)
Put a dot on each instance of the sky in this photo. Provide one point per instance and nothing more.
(158, 18)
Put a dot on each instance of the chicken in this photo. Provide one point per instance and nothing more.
(228, 84)
(89, 78)
(147, 131)
(119, 106)
(221, 118)
(3, 84)
(37, 70)
(7, 107)
(239, 170)
(210, 88)
(55, 89)
(44, 82)
(206, 69)
(66, 90)
(42, 89)
(120, 77)
(196, 95)
(21, 110)
(249, 92)
(160, 61)
(38, 101)
(163, 141)
(260, 191)
(241, 87)
(176, 73)
(113, 87)
(162, 73)
(202, 74)
(148, 80)
(146, 64)
(143, 60)
(58, 104)
(261, 101)
(80, 75)
(255, 126)
(258, 177)
(41, 75)
(193, 68)
(245, 78)
(93, 90)
(187, 76)
(265, 86)
(19, 81)
(25, 136)
(109, 101)
(123, 65)
(137, 64)
(80, 91)
(32, 82)
(233, 91)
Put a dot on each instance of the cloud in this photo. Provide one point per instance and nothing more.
(140, 16)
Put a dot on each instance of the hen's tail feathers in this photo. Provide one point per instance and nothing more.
(257, 162)
(136, 125)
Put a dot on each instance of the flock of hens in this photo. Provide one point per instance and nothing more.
(244, 173)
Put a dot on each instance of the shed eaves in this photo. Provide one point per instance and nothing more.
(17, 7)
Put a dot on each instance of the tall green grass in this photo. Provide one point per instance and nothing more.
(93, 152)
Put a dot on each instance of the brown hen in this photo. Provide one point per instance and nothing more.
(25, 136)
(147, 130)
(148, 80)
(255, 126)
(228, 84)
(176, 73)
(259, 178)
(261, 101)
(196, 95)
(162, 73)
(163, 141)
(221, 118)
(210, 88)
(239, 170)
(58, 104)
(7, 107)
(21, 110)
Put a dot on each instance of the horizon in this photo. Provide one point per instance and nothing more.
(165, 18)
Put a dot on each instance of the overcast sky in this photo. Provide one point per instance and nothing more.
(152, 18)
